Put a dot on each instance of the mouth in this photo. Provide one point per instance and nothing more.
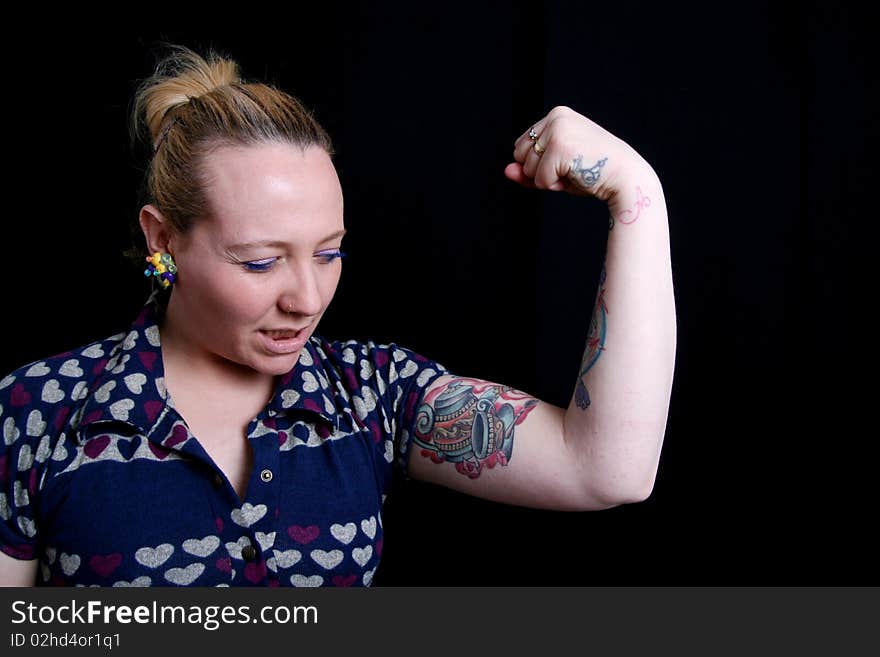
(282, 334)
(281, 341)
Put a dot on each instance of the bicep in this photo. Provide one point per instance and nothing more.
(492, 441)
(17, 572)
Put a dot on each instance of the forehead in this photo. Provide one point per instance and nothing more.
(264, 191)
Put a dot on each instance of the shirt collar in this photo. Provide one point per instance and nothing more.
(305, 387)
(131, 387)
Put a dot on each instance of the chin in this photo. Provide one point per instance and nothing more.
(276, 366)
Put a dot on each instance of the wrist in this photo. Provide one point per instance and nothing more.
(634, 171)
(638, 192)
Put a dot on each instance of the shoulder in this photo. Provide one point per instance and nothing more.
(369, 358)
(56, 382)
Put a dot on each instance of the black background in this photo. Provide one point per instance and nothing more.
(756, 118)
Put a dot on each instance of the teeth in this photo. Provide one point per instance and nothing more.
(278, 335)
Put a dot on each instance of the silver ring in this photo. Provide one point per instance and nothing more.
(538, 149)
(533, 135)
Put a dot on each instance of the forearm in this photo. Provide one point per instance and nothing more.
(616, 420)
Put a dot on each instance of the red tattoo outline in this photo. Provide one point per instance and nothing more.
(641, 202)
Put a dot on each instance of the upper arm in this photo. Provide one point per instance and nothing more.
(494, 442)
(17, 572)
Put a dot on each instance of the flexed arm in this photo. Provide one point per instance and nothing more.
(604, 449)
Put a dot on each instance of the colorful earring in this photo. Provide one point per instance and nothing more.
(161, 265)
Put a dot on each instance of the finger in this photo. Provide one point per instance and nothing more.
(547, 173)
(538, 126)
(522, 145)
(532, 160)
(524, 142)
(514, 172)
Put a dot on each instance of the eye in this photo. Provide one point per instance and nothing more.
(259, 265)
(326, 257)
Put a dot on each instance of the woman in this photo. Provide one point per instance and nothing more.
(221, 441)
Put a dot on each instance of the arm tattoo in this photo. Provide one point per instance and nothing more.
(642, 201)
(595, 344)
(470, 423)
(589, 176)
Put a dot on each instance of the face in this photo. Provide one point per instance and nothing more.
(256, 276)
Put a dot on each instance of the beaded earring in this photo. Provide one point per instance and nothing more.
(161, 265)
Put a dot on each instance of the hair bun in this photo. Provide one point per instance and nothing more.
(180, 75)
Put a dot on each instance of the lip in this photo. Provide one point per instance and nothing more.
(286, 330)
(283, 340)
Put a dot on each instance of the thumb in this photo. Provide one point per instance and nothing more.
(514, 172)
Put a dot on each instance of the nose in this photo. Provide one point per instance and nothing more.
(301, 294)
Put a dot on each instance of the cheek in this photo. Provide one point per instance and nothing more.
(232, 300)
(329, 284)
(251, 301)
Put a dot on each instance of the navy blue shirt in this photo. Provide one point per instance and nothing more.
(103, 482)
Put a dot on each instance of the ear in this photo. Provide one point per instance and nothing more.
(157, 231)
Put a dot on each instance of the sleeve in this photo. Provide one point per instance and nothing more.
(415, 375)
(403, 376)
(23, 443)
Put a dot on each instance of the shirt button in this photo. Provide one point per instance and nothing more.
(218, 480)
(248, 553)
(266, 475)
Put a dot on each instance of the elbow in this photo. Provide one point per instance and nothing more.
(629, 492)
(639, 495)
(619, 498)
(640, 490)
(621, 474)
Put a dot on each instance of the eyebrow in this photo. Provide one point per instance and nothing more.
(280, 244)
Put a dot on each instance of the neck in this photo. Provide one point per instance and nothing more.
(188, 366)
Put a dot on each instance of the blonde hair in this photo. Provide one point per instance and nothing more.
(192, 105)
